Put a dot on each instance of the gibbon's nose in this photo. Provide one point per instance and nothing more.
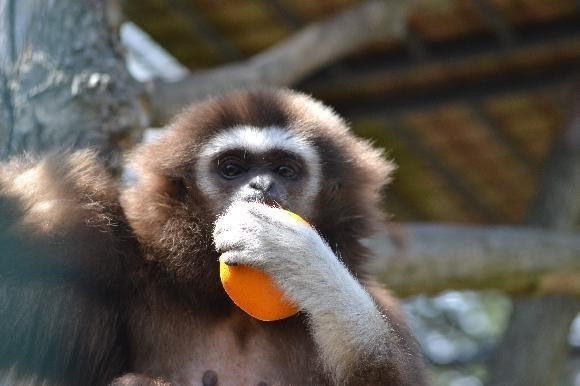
(262, 183)
(266, 190)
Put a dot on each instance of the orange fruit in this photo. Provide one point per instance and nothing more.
(254, 291)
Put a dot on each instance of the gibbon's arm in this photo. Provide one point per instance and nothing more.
(358, 344)
(60, 269)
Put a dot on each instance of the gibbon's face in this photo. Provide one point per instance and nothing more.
(263, 164)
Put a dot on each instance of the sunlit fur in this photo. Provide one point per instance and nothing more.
(99, 281)
(345, 321)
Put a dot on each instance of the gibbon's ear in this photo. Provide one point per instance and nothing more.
(164, 166)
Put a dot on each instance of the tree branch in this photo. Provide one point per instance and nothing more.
(291, 60)
(429, 258)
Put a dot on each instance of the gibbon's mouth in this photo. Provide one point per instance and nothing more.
(271, 202)
(267, 201)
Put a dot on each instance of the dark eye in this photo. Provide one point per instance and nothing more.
(230, 168)
(286, 171)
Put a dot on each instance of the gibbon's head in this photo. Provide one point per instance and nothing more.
(279, 147)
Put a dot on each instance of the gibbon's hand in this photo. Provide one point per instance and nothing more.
(291, 252)
(344, 319)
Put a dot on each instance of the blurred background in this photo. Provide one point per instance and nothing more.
(468, 103)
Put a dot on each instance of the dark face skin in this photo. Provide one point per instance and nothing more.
(274, 178)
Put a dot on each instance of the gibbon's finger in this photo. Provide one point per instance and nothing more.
(235, 223)
(229, 258)
(278, 216)
(223, 244)
(241, 257)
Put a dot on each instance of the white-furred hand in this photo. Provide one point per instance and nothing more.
(269, 239)
(344, 318)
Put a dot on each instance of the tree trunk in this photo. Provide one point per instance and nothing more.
(63, 81)
(535, 344)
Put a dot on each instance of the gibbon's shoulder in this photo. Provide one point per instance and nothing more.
(59, 213)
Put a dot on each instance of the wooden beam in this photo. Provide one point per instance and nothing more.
(429, 258)
(497, 23)
(414, 142)
(470, 90)
(308, 50)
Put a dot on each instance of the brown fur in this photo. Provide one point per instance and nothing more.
(62, 233)
(150, 302)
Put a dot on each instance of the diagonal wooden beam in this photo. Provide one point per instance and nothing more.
(550, 39)
(503, 137)
(418, 146)
(203, 30)
(471, 90)
(500, 27)
(290, 18)
(416, 47)
(291, 60)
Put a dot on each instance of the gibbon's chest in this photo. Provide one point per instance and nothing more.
(234, 351)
